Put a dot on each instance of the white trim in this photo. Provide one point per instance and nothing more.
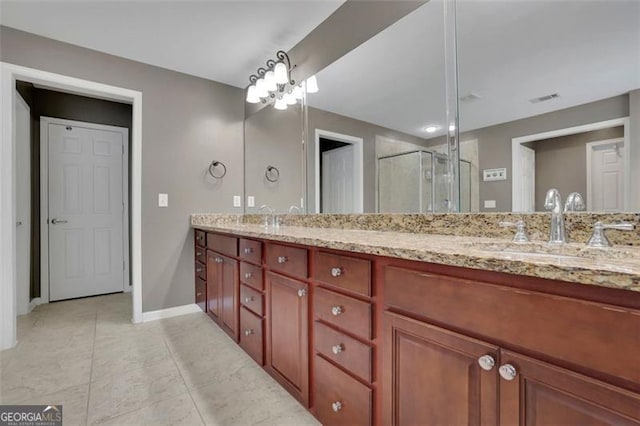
(9, 73)
(516, 142)
(44, 197)
(170, 312)
(358, 168)
(590, 146)
(34, 302)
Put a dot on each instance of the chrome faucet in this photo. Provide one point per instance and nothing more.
(269, 217)
(553, 202)
(574, 203)
(295, 208)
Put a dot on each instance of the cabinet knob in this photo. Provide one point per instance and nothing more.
(282, 259)
(199, 238)
(336, 349)
(248, 250)
(508, 372)
(218, 260)
(198, 269)
(336, 272)
(486, 362)
(198, 253)
(198, 294)
(248, 275)
(336, 406)
(302, 292)
(248, 332)
(337, 310)
(248, 299)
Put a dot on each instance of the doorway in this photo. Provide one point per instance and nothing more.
(338, 173)
(605, 176)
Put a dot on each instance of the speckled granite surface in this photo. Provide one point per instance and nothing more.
(618, 267)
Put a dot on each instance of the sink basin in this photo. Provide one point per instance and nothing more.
(539, 249)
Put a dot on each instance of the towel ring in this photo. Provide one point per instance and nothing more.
(212, 168)
(272, 174)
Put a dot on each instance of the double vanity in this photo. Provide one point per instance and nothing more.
(384, 327)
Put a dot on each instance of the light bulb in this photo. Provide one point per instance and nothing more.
(280, 104)
(452, 127)
(431, 129)
(290, 99)
(270, 81)
(312, 84)
(297, 92)
(252, 96)
(280, 73)
(261, 88)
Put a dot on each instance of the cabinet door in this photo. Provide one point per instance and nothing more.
(213, 284)
(229, 296)
(537, 393)
(432, 376)
(288, 335)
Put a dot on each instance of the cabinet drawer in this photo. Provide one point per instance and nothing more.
(251, 251)
(340, 399)
(251, 275)
(344, 312)
(201, 254)
(201, 293)
(345, 272)
(588, 335)
(290, 260)
(252, 299)
(223, 244)
(345, 351)
(201, 270)
(201, 238)
(251, 335)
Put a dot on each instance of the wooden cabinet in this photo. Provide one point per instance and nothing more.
(213, 284)
(287, 356)
(223, 292)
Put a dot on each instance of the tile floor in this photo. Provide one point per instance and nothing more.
(86, 355)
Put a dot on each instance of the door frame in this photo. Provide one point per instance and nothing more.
(9, 74)
(23, 304)
(44, 197)
(516, 182)
(358, 168)
(590, 146)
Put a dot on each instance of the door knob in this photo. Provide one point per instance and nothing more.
(57, 221)
(486, 362)
(508, 372)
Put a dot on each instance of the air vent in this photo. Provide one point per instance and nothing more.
(470, 97)
(544, 98)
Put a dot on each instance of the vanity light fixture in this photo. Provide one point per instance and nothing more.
(312, 84)
(452, 127)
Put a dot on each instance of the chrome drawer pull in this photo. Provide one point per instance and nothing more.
(282, 259)
(336, 406)
(486, 362)
(336, 272)
(248, 332)
(336, 349)
(508, 372)
(248, 299)
(302, 292)
(248, 250)
(248, 275)
(337, 310)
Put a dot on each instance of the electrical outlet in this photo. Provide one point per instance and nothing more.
(237, 201)
(489, 204)
(163, 200)
(251, 201)
(489, 175)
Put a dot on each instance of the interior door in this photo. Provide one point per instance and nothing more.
(338, 183)
(527, 173)
(607, 177)
(23, 204)
(86, 211)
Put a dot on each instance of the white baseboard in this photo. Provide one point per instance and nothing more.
(170, 312)
(35, 302)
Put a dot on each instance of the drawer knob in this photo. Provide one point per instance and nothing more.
(248, 332)
(198, 294)
(248, 275)
(218, 260)
(336, 406)
(198, 253)
(248, 299)
(248, 250)
(302, 292)
(198, 269)
(337, 310)
(508, 372)
(199, 238)
(486, 362)
(336, 349)
(336, 272)
(282, 259)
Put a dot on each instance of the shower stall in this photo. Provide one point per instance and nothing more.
(417, 182)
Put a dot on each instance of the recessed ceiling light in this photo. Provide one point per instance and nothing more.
(431, 129)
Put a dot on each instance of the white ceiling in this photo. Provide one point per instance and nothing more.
(224, 41)
(508, 52)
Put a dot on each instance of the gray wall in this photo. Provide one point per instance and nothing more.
(494, 142)
(561, 163)
(186, 123)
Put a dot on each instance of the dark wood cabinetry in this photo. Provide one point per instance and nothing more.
(223, 292)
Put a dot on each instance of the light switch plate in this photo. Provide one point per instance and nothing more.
(237, 201)
(489, 204)
(251, 201)
(489, 175)
(163, 200)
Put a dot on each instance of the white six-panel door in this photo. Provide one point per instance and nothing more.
(338, 184)
(605, 191)
(86, 211)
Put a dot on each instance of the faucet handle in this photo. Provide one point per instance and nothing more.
(521, 230)
(599, 239)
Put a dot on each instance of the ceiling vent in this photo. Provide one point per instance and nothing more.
(472, 96)
(544, 98)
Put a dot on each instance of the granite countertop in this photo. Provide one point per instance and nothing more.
(617, 267)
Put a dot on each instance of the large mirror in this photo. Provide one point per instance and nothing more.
(548, 98)
(376, 127)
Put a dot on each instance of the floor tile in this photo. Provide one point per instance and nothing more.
(73, 401)
(179, 410)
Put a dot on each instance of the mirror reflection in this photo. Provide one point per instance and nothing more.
(548, 95)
